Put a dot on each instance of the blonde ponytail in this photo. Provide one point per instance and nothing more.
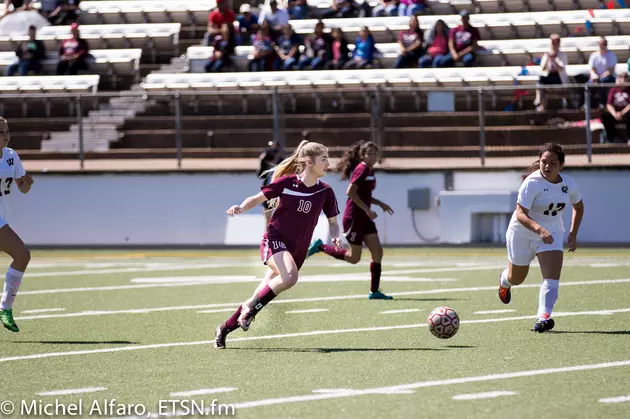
(289, 165)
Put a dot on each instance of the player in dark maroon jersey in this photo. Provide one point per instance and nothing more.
(358, 225)
(298, 197)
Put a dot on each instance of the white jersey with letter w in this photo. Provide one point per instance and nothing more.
(10, 169)
(546, 202)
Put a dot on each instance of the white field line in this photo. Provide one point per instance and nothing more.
(620, 399)
(203, 392)
(487, 395)
(312, 310)
(281, 336)
(219, 310)
(494, 311)
(305, 300)
(229, 279)
(72, 391)
(405, 310)
(42, 310)
(428, 384)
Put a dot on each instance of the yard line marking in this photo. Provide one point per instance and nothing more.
(406, 310)
(345, 390)
(165, 267)
(42, 310)
(428, 384)
(487, 395)
(494, 311)
(312, 310)
(299, 300)
(620, 399)
(203, 391)
(226, 279)
(72, 391)
(280, 336)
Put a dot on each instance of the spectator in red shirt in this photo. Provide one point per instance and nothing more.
(617, 108)
(73, 53)
(410, 42)
(462, 44)
(222, 14)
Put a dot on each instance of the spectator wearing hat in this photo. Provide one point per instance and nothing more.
(220, 15)
(617, 108)
(247, 23)
(30, 54)
(73, 53)
(462, 44)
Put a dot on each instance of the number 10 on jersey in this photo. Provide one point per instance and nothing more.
(304, 206)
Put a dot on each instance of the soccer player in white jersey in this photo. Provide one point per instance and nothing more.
(536, 230)
(11, 171)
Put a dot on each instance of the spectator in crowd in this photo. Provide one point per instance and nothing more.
(340, 51)
(410, 42)
(617, 108)
(386, 7)
(364, 50)
(223, 49)
(276, 16)
(462, 44)
(341, 8)
(288, 49)
(73, 54)
(318, 50)
(30, 54)
(410, 7)
(436, 40)
(17, 5)
(553, 71)
(247, 24)
(602, 68)
(47, 7)
(298, 9)
(262, 51)
(65, 12)
(220, 15)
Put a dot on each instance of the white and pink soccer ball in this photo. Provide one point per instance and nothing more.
(443, 322)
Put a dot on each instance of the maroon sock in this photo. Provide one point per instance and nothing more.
(333, 251)
(231, 324)
(375, 270)
(262, 299)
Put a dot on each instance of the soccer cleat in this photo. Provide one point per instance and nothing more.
(219, 341)
(315, 247)
(505, 294)
(378, 295)
(246, 318)
(6, 317)
(543, 324)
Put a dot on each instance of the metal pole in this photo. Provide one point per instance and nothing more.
(178, 129)
(482, 126)
(79, 111)
(587, 116)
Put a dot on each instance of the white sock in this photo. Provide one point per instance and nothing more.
(504, 279)
(12, 283)
(548, 296)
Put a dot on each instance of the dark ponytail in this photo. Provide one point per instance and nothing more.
(551, 147)
(352, 157)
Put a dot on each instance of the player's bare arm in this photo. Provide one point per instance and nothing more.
(386, 208)
(578, 213)
(352, 194)
(333, 227)
(522, 215)
(248, 204)
(25, 183)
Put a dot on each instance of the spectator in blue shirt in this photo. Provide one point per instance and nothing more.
(364, 50)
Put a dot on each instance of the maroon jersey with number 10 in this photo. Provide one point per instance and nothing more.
(294, 220)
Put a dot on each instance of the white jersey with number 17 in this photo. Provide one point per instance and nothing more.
(546, 202)
(10, 169)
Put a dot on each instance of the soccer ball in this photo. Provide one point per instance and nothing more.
(443, 322)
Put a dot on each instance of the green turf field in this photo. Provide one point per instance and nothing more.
(138, 327)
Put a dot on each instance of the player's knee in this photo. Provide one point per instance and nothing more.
(377, 256)
(23, 256)
(354, 259)
(290, 279)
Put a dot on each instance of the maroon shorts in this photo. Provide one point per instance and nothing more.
(272, 245)
(355, 229)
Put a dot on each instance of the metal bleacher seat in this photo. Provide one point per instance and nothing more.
(117, 62)
(491, 26)
(191, 12)
(149, 37)
(494, 53)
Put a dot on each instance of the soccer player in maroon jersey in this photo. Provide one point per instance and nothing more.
(298, 197)
(358, 224)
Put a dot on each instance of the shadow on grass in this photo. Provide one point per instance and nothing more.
(591, 332)
(336, 350)
(428, 299)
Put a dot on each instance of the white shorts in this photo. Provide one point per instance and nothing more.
(521, 250)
